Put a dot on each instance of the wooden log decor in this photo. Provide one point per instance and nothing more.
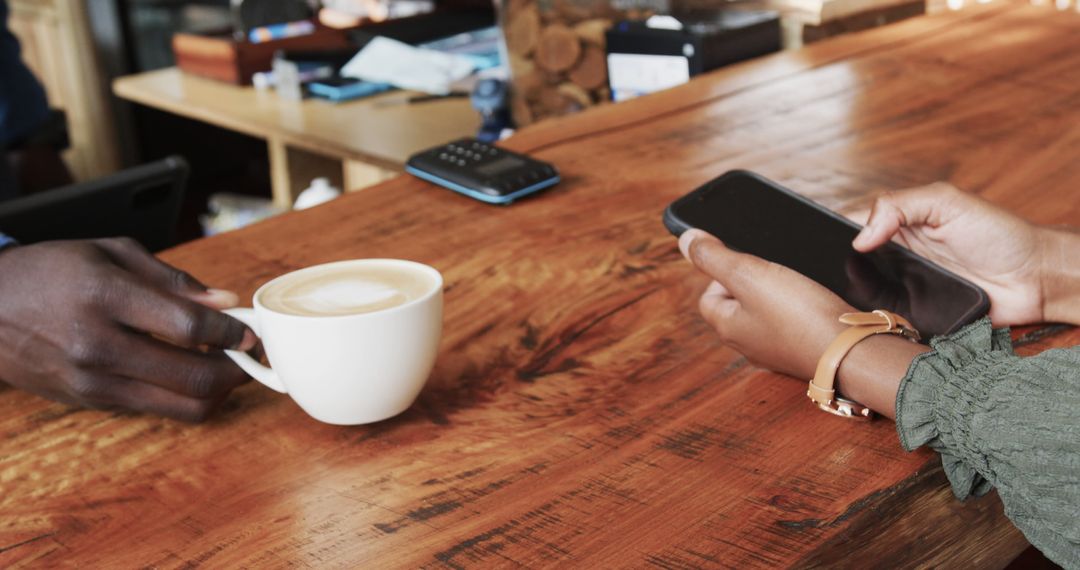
(523, 30)
(559, 49)
(557, 54)
(576, 94)
(592, 31)
(591, 70)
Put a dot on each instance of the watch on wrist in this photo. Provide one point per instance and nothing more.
(822, 389)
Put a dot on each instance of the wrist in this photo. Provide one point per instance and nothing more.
(1060, 276)
(871, 372)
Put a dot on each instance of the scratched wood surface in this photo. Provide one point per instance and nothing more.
(581, 414)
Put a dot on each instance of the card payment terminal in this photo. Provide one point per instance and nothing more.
(482, 171)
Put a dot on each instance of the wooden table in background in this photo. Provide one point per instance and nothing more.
(581, 413)
(806, 21)
(355, 143)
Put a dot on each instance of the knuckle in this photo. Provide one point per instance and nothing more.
(86, 387)
(717, 314)
(944, 187)
(88, 352)
(951, 196)
(202, 383)
(199, 326)
(181, 279)
(193, 326)
(125, 247)
(886, 198)
(705, 306)
(727, 311)
(102, 286)
(197, 412)
(125, 243)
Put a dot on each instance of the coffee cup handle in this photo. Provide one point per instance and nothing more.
(263, 374)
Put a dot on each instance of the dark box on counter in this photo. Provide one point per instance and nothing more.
(647, 56)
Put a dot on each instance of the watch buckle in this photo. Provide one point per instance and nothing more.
(846, 409)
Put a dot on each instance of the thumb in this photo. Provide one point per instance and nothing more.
(731, 269)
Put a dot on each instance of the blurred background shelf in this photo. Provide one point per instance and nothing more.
(806, 21)
(355, 144)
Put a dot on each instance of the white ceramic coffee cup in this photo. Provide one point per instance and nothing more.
(348, 369)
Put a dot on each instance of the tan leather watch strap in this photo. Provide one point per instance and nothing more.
(822, 388)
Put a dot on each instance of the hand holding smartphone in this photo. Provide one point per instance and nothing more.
(752, 214)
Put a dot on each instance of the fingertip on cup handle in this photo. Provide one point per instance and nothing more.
(263, 374)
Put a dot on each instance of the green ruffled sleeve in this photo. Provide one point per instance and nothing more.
(1005, 422)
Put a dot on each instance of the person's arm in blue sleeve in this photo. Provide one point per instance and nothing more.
(7, 241)
(23, 105)
(32, 135)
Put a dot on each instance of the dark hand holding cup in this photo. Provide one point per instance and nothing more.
(104, 324)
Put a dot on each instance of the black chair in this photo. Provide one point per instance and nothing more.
(142, 203)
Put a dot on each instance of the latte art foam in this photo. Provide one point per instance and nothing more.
(336, 291)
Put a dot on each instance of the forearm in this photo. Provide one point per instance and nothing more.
(872, 371)
(1002, 421)
(1061, 276)
(997, 420)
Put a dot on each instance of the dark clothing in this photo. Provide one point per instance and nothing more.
(23, 105)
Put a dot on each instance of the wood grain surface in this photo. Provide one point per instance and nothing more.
(581, 414)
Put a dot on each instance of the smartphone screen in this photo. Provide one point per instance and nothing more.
(752, 214)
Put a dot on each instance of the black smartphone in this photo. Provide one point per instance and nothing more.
(752, 214)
